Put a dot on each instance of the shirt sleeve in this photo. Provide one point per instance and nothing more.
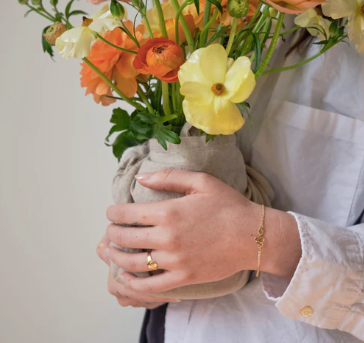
(327, 289)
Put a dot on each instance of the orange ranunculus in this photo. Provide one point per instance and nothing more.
(160, 57)
(117, 65)
(294, 6)
(224, 19)
(170, 21)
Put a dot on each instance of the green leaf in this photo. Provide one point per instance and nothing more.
(209, 137)
(68, 8)
(76, 13)
(26, 14)
(217, 4)
(122, 142)
(257, 51)
(163, 135)
(167, 118)
(120, 117)
(47, 48)
(147, 118)
(197, 4)
(220, 32)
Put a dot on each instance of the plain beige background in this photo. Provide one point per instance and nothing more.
(55, 180)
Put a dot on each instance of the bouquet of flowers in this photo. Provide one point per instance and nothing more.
(187, 70)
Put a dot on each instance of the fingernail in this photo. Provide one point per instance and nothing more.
(143, 176)
(177, 300)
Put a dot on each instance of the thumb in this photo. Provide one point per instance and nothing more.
(179, 181)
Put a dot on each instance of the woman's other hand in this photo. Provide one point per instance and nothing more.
(124, 295)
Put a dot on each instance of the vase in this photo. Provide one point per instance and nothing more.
(220, 158)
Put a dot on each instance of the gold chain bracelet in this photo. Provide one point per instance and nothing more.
(260, 239)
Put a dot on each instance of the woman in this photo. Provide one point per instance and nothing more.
(308, 141)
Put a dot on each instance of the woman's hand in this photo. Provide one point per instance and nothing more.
(124, 295)
(204, 236)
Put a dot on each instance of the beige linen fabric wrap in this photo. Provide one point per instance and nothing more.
(220, 158)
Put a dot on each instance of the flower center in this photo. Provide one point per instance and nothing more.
(159, 49)
(218, 88)
(86, 21)
(361, 9)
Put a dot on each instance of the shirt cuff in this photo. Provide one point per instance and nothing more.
(328, 278)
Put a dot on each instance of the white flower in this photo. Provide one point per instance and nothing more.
(311, 20)
(77, 42)
(354, 10)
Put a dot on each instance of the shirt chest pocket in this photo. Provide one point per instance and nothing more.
(313, 160)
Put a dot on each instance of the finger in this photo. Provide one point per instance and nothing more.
(103, 249)
(180, 181)
(135, 214)
(150, 306)
(138, 262)
(141, 238)
(153, 284)
(121, 291)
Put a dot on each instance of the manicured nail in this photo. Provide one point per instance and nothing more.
(143, 176)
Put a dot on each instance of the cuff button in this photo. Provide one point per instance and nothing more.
(307, 311)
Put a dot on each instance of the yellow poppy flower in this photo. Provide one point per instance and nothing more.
(315, 24)
(354, 10)
(213, 84)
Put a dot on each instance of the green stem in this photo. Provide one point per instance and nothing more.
(147, 24)
(272, 45)
(174, 104)
(256, 14)
(47, 13)
(179, 12)
(165, 94)
(40, 13)
(206, 17)
(258, 25)
(206, 28)
(232, 35)
(113, 45)
(186, 29)
(111, 85)
(323, 50)
(162, 24)
(130, 35)
(145, 100)
(289, 31)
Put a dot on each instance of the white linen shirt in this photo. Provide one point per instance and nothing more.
(307, 139)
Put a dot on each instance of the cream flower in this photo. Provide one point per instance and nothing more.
(310, 19)
(354, 10)
(212, 84)
(77, 42)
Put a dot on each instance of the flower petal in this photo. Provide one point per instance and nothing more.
(237, 74)
(195, 91)
(190, 71)
(339, 8)
(213, 62)
(82, 46)
(100, 12)
(103, 25)
(226, 122)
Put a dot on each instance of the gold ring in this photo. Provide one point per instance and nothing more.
(152, 265)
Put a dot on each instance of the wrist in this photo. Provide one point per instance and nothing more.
(282, 247)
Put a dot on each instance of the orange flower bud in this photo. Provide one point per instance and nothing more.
(160, 57)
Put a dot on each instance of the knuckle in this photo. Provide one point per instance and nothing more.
(204, 178)
(124, 302)
(166, 173)
(130, 264)
(174, 241)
